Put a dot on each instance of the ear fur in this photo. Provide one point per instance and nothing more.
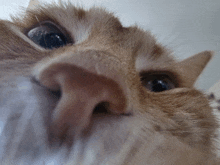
(193, 66)
(33, 4)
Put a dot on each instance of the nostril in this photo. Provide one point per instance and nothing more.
(35, 81)
(101, 108)
(81, 94)
(57, 94)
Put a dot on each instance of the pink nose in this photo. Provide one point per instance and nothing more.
(81, 92)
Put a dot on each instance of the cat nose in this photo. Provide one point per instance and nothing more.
(81, 92)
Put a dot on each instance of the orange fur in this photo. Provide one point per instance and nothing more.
(172, 127)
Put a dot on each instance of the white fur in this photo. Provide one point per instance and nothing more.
(111, 138)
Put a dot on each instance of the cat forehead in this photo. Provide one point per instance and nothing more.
(95, 21)
(100, 28)
(76, 21)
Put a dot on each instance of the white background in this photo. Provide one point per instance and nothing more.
(186, 26)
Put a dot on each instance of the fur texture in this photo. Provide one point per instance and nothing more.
(48, 96)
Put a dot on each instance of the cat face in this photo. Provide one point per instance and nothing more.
(94, 65)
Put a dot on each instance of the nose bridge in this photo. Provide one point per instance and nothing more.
(81, 63)
(85, 81)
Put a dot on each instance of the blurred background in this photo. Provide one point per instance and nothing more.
(185, 26)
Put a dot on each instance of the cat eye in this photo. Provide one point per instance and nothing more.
(157, 83)
(48, 36)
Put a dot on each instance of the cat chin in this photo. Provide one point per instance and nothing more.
(25, 97)
(26, 117)
(26, 109)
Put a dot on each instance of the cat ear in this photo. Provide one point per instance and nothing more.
(33, 4)
(193, 66)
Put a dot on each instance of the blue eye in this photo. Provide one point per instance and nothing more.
(47, 36)
(157, 83)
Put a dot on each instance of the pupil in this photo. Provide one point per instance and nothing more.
(159, 86)
(52, 40)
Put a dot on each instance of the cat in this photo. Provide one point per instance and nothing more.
(79, 88)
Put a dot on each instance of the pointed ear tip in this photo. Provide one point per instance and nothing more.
(209, 53)
(206, 55)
